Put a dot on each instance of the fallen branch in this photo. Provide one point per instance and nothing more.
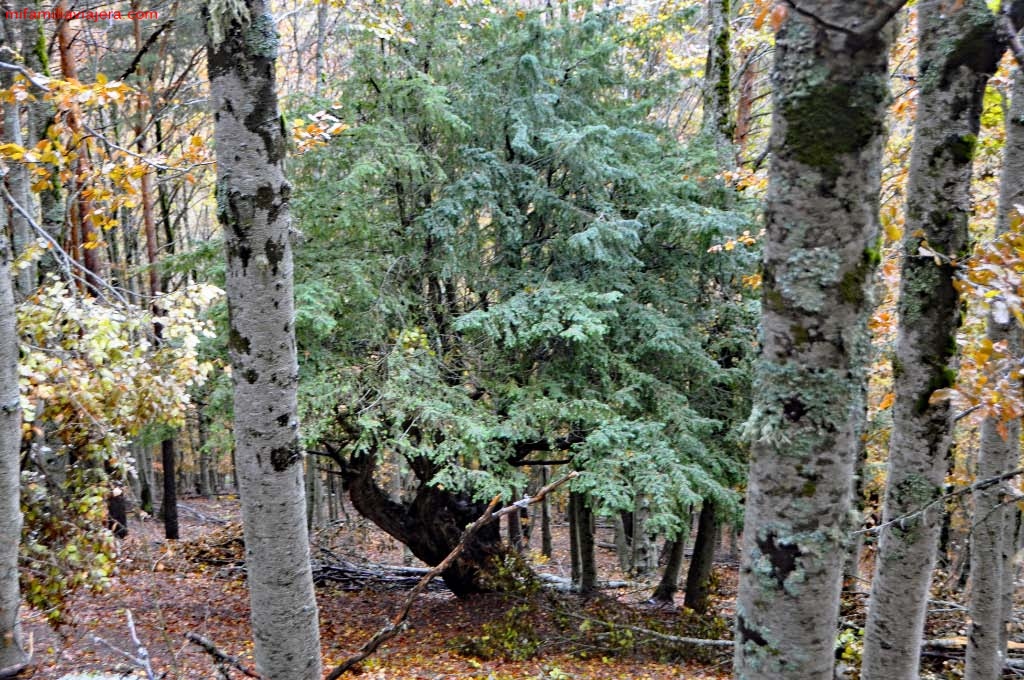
(140, 659)
(210, 519)
(395, 626)
(220, 657)
(679, 639)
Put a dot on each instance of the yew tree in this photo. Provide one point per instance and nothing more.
(511, 270)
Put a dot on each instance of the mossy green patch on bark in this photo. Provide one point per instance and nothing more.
(829, 119)
(921, 277)
(800, 335)
(238, 342)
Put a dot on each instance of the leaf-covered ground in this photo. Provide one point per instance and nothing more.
(532, 634)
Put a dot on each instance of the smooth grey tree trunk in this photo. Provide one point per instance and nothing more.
(252, 206)
(17, 176)
(12, 652)
(957, 51)
(993, 530)
(830, 94)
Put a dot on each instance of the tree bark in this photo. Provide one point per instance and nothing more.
(698, 576)
(430, 524)
(718, 75)
(12, 652)
(17, 177)
(669, 584)
(583, 539)
(993, 531)
(830, 96)
(957, 52)
(169, 505)
(253, 209)
(546, 543)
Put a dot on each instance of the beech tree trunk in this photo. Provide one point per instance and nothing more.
(698, 576)
(17, 176)
(958, 50)
(252, 206)
(830, 95)
(994, 529)
(12, 652)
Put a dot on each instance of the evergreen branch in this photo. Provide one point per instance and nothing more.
(397, 623)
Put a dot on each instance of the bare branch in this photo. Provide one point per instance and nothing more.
(397, 623)
(977, 486)
(221, 657)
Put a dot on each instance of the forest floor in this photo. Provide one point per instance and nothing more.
(196, 586)
(176, 587)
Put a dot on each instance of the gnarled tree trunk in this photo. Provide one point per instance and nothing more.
(430, 524)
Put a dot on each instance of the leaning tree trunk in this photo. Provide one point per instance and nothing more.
(993, 534)
(958, 50)
(12, 652)
(668, 586)
(430, 524)
(252, 205)
(698, 576)
(830, 95)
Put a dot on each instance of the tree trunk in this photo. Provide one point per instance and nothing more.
(12, 652)
(830, 96)
(144, 466)
(644, 554)
(546, 547)
(583, 519)
(430, 524)
(698, 576)
(957, 52)
(669, 584)
(515, 532)
(252, 206)
(169, 506)
(718, 75)
(314, 495)
(321, 41)
(17, 177)
(574, 539)
(993, 531)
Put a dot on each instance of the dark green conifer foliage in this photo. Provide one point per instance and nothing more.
(506, 262)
